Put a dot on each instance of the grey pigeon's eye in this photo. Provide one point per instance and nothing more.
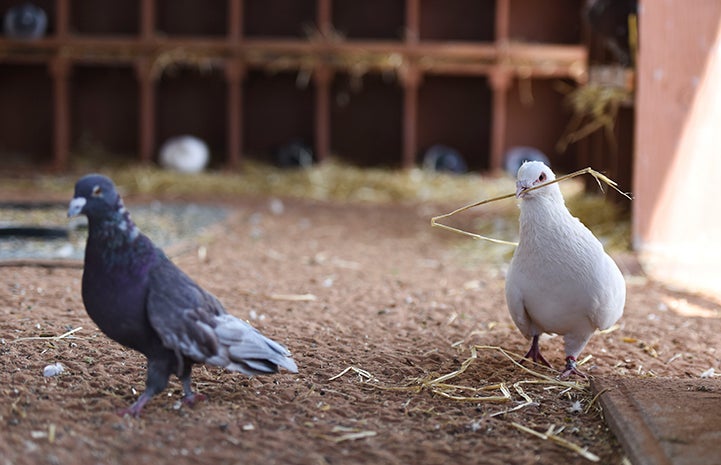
(97, 191)
(542, 177)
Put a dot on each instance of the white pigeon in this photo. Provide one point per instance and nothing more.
(560, 279)
(187, 154)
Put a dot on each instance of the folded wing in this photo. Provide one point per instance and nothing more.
(194, 324)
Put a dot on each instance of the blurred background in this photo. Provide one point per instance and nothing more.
(629, 88)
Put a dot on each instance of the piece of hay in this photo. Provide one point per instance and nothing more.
(49, 338)
(551, 434)
(439, 384)
(362, 373)
(287, 297)
(599, 179)
(349, 434)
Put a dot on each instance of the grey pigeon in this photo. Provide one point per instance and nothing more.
(294, 154)
(25, 21)
(140, 299)
(517, 156)
(443, 158)
(560, 280)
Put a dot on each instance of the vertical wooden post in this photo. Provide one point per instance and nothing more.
(413, 21)
(146, 85)
(324, 17)
(322, 79)
(234, 73)
(147, 19)
(60, 70)
(503, 21)
(146, 103)
(411, 81)
(62, 18)
(410, 78)
(235, 20)
(500, 80)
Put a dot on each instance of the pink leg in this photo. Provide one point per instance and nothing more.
(194, 398)
(571, 368)
(534, 353)
(135, 409)
(190, 398)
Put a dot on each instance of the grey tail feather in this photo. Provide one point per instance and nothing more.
(248, 351)
(263, 366)
(261, 356)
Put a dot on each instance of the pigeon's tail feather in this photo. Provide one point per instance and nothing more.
(244, 349)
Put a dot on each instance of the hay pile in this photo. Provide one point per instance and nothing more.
(337, 182)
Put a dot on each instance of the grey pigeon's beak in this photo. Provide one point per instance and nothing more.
(520, 189)
(76, 206)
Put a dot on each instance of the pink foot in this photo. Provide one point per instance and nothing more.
(571, 368)
(191, 399)
(135, 409)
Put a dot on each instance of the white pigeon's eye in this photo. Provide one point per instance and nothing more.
(97, 191)
(542, 177)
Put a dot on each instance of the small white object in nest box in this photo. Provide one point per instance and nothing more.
(186, 154)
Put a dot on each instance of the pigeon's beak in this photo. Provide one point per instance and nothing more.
(76, 206)
(521, 190)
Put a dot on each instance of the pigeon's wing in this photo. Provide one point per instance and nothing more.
(192, 322)
(613, 296)
(181, 312)
(516, 306)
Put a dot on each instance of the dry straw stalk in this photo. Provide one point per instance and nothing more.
(599, 179)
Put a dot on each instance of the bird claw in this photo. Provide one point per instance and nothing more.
(534, 354)
(193, 398)
(537, 359)
(131, 411)
(571, 369)
(136, 407)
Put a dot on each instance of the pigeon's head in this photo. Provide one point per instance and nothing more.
(532, 174)
(95, 196)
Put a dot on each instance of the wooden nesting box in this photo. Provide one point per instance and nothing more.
(375, 82)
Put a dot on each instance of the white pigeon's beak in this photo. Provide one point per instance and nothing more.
(76, 206)
(521, 189)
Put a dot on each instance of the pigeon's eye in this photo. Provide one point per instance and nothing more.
(97, 191)
(542, 177)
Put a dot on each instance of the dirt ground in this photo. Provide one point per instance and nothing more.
(400, 302)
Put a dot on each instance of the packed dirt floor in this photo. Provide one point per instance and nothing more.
(376, 306)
